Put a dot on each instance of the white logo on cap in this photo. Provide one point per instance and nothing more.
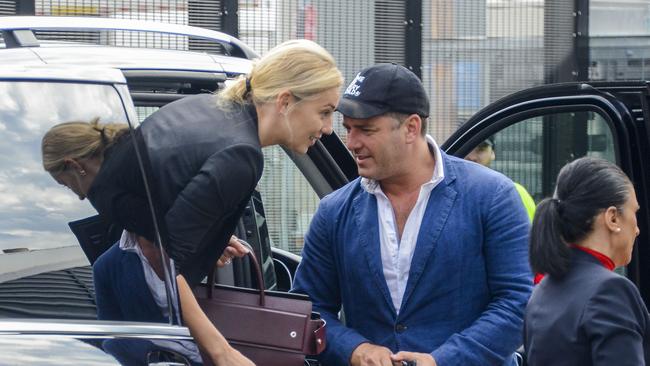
(353, 88)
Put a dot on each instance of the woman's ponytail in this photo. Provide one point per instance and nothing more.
(236, 92)
(549, 253)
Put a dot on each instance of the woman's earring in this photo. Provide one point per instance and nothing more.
(82, 173)
(618, 229)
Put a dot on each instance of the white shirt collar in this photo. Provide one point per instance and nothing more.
(372, 186)
(128, 242)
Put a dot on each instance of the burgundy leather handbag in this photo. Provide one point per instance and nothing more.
(270, 328)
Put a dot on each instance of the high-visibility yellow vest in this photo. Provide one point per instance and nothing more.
(528, 201)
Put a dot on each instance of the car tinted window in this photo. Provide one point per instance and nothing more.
(34, 210)
(532, 152)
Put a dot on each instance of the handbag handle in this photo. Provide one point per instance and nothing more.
(258, 273)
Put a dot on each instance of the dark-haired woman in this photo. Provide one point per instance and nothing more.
(583, 313)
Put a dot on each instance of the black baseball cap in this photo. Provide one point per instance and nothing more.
(384, 88)
(487, 142)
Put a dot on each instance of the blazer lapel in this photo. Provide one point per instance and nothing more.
(367, 224)
(435, 217)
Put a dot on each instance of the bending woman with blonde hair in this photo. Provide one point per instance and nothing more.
(204, 159)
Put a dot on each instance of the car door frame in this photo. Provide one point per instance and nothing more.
(630, 143)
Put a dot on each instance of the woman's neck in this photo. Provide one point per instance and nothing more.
(267, 129)
(599, 242)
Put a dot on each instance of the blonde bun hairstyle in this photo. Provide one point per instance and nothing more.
(78, 140)
(300, 66)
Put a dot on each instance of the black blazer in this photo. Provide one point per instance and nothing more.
(203, 164)
(592, 316)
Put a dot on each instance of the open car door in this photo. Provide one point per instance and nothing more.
(539, 130)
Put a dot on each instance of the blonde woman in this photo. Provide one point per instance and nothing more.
(203, 156)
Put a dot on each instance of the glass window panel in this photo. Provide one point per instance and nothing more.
(34, 210)
(289, 200)
(532, 152)
(523, 150)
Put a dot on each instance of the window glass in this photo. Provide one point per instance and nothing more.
(289, 200)
(35, 210)
(43, 270)
(144, 112)
(533, 151)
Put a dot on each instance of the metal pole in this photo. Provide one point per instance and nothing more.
(25, 7)
(566, 58)
(230, 17)
(581, 45)
(413, 36)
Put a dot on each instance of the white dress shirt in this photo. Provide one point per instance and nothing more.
(128, 243)
(396, 253)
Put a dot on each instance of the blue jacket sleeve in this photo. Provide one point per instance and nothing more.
(318, 277)
(615, 320)
(105, 299)
(497, 333)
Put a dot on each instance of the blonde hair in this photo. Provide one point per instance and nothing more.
(300, 66)
(78, 140)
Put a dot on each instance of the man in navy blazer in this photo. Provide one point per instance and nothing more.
(426, 253)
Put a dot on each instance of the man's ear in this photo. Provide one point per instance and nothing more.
(413, 125)
(282, 101)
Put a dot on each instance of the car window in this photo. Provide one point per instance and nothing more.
(144, 112)
(44, 272)
(35, 210)
(289, 200)
(532, 152)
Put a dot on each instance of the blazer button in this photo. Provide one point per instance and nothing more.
(399, 328)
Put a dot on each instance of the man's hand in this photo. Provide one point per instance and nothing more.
(367, 354)
(422, 359)
(234, 249)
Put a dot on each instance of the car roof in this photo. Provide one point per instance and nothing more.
(63, 73)
(14, 23)
(124, 58)
(136, 58)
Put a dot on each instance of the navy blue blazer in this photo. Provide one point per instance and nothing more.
(121, 291)
(469, 279)
(592, 316)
